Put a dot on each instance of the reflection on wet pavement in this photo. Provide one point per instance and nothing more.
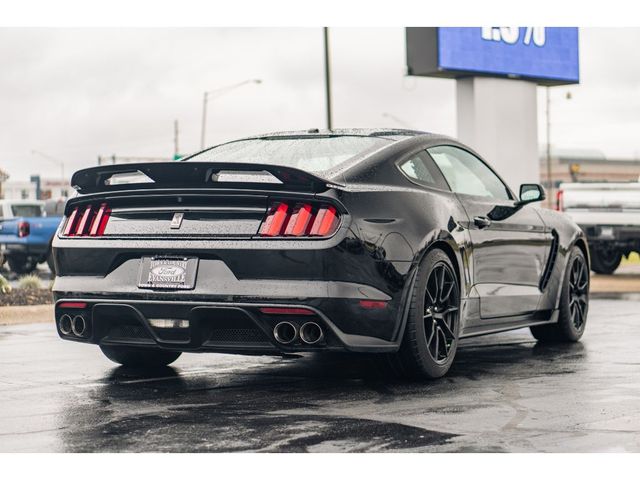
(504, 393)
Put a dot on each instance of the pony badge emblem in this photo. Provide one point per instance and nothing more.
(176, 222)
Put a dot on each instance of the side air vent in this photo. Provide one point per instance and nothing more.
(553, 254)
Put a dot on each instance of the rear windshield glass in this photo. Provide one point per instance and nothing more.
(313, 154)
(26, 210)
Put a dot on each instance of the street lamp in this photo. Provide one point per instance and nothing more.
(218, 92)
(52, 159)
(568, 96)
(397, 120)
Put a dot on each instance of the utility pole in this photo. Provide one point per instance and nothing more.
(327, 77)
(217, 93)
(176, 132)
(204, 119)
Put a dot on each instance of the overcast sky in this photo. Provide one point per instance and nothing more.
(74, 94)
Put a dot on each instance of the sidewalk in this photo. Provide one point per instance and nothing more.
(26, 314)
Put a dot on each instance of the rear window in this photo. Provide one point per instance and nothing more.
(27, 210)
(312, 154)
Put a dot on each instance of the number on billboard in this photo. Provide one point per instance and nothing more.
(511, 35)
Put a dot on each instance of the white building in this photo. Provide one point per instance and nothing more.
(19, 190)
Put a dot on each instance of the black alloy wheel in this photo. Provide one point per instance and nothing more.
(574, 303)
(430, 338)
(578, 292)
(441, 305)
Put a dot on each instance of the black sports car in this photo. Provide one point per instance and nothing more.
(392, 242)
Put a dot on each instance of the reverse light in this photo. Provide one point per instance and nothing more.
(87, 221)
(299, 220)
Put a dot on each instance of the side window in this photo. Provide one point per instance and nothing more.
(467, 174)
(421, 169)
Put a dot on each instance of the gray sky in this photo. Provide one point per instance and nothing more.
(75, 94)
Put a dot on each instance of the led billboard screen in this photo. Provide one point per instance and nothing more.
(546, 55)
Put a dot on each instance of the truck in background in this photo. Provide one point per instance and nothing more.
(609, 215)
(26, 232)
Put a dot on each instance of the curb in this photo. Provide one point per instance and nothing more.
(16, 315)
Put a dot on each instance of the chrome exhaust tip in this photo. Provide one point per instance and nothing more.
(78, 325)
(311, 333)
(285, 332)
(64, 324)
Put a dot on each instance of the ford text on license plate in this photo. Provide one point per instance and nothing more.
(168, 272)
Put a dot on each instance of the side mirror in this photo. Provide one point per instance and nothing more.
(531, 192)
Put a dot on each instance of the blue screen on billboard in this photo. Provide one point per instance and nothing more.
(544, 53)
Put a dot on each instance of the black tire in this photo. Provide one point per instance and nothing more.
(574, 303)
(430, 338)
(140, 357)
(605, 261)
(50, 263)
(21, 264)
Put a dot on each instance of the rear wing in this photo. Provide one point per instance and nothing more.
(108, 178)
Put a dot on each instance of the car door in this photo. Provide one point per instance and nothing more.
(509, 242)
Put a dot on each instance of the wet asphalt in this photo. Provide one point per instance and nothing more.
(505, 393)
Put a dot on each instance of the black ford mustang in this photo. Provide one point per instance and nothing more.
(392, 242)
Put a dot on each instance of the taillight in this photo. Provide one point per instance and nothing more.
(560, 200)
(24, 229)
(299, 220)
(90, 220)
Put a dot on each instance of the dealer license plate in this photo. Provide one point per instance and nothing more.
(168, 272)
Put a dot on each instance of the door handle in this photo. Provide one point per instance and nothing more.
(481, 222)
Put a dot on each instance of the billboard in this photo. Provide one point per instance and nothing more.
(546, 55)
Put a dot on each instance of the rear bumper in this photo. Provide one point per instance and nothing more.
(35, 250)
(226, 327)
(607, 233)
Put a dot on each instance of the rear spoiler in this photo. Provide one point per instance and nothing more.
(195, 175)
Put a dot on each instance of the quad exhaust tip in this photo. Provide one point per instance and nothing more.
(65, 324)
(311, 333)
(78, 325)
(285, 332)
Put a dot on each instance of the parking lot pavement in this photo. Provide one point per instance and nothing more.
(504, 393)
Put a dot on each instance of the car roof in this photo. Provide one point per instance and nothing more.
(341, 132)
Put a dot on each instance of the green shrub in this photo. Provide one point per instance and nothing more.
(30, 282)
(5, 286)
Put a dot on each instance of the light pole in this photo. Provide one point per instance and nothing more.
(52, 159)
(549, 169)
(396, 119)
(218, 92)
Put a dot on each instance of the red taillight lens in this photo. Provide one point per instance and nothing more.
(275, 220)
(24, 229)
(71, 221)
(325, 222)
(299, 220)
(559, 201)
(87, 221)
(100, 221)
